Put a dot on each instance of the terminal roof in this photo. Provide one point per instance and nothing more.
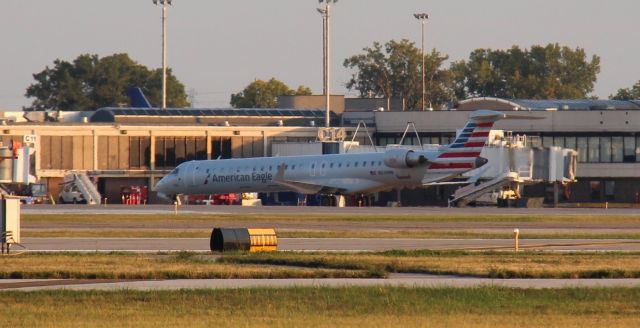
(115, 114)
(560, 104)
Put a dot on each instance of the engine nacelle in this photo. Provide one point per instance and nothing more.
(403, 158)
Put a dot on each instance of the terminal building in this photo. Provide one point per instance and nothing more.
(122, 147)
(606, 134)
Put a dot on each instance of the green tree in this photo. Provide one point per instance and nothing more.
(90, 82)
(395, 70)
(549, 72)
(264, 94)
(628, 93)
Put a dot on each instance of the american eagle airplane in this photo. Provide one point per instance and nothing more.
(336, 174)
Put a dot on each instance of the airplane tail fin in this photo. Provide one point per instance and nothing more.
(464, 152)
(138, 99)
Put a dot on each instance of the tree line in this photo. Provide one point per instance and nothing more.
(542, 72)
(90, 82)
(389, 70)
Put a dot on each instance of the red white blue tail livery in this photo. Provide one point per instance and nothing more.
(462, 154)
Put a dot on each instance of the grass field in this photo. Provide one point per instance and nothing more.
(153, 266)
(320, 265)
(325, 307)
(482, 264)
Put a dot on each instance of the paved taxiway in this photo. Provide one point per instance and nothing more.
(183, 223)
(295, 210)
(404, 280)
(327, 244)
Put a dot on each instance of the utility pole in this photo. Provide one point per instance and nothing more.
(164, 4)
(325, 11)
(422, 17)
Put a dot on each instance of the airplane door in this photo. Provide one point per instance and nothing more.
(187, 174)
(312, 169)
(196, 172)
(184, 174)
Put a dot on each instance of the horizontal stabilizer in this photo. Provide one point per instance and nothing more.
(522, 117)
(492, 115)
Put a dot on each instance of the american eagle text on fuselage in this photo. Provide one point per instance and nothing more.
(232, 178)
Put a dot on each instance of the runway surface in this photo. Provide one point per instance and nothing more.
(481, 220)
(222, 209)
(328, 244)
(404, 280)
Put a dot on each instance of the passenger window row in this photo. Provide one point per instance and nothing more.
(294, 166)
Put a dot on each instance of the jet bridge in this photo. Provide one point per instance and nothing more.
(15, 168)
(512, 163)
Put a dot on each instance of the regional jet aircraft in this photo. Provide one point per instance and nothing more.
(337, 174)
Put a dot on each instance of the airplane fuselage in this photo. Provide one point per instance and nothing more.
(338, 173)
(346, 173)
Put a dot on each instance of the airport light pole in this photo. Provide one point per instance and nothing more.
(325, 11)
(164, 4)
(322, 12)
(422, 17)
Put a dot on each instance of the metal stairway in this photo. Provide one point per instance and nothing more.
(4, 191)
(467, 194)
(87, 188)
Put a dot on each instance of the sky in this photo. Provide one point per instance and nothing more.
(218, 47)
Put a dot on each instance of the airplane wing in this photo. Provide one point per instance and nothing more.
(301, 187)
(445, 183)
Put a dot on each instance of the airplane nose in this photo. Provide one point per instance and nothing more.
(162, 185)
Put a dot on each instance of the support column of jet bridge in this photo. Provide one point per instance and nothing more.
(9, 223)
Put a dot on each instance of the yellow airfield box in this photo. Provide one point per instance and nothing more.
(244, 239)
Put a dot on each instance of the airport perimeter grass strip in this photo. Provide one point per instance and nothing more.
(491, 264)
(181, 265)
(185, 265)
(239, 218)
(325, 307)
(421, 234)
